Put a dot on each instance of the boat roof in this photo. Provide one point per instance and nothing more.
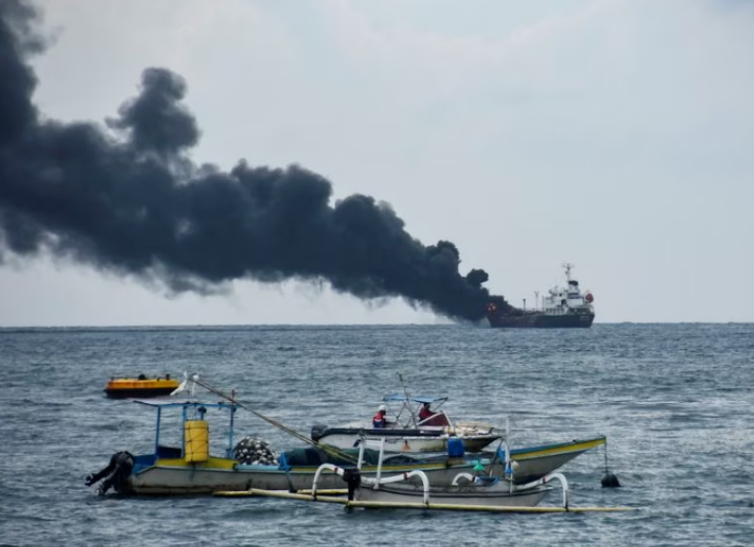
(418, 399)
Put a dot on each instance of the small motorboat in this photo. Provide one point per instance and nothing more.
(141, 386)
(410, 431)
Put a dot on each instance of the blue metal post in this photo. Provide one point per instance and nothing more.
(230, 433)
(157, 433)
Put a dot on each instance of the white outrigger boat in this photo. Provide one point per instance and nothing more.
(407, 433)
(466, 492)
(466, 489)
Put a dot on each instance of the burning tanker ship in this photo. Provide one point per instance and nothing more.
(564, 307)
(126, 197)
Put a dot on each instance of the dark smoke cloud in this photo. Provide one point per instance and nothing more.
(130, 201)
(155, 121)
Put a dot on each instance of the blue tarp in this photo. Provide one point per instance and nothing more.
(418, 399)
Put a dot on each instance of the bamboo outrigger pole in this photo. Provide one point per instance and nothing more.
(333, 451)
(252, 492)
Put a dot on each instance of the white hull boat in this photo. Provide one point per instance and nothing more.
(408, 431)
(498, 495)
(477, 490)
(428, 439)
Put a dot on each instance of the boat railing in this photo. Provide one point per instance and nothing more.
(376, 482)
(547, 479)
(464, 475)
(379, 444)
(325, 467)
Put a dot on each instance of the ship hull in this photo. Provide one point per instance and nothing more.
(539, 320)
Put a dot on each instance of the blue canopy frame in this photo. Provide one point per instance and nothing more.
(201, 408)
(399, 397)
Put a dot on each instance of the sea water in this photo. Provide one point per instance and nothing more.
(675, 401)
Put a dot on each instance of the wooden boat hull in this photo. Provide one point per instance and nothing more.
(172, 476)
(453, 495)
(138, 393)
(122, 388)
(397, 441)
(534, 462)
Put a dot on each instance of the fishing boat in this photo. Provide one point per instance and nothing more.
(408, 432)
(481, 489)
(191, 469)
(491, 493)
(141, 386)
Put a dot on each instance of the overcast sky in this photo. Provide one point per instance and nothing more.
(614, 134)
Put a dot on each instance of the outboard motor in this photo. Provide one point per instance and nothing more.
(352, 476)
(317, 431)
(116, 473)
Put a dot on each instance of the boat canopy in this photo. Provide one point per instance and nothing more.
(419, 399)
(186, 407)
(177, 404)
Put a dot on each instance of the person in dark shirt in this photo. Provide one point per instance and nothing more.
(425, 412)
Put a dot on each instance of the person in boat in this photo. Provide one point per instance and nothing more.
(379, 421)
(425, 412)
(116, 472)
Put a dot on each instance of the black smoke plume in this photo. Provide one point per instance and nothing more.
(126, 198)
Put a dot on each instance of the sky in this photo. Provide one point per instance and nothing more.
(613, 134)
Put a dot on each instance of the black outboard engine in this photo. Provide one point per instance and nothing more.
(116, 473)
(317, 431)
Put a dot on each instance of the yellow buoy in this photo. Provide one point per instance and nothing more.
(197, 441)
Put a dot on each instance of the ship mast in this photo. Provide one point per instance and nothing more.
(568, 266)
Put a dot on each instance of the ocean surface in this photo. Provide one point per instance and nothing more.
(675, 401)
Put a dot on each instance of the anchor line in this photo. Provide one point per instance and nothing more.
(329, 449)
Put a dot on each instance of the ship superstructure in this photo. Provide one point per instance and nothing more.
(562, 307)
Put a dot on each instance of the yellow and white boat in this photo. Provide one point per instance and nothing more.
(140, 386)
(191, 469)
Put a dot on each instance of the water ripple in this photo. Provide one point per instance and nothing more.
(674, 400)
